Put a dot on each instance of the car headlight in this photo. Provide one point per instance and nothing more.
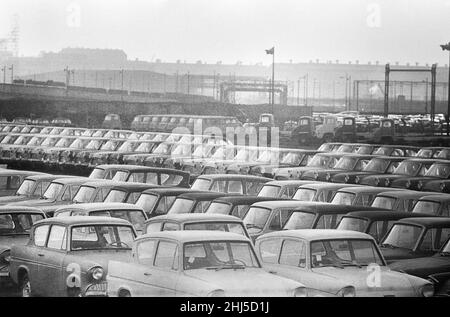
(427, 290)
(97, 273)
(217, 293)
(348, 291)
(300, 292)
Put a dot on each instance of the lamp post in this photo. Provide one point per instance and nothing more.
(446, 47)
(272, 99)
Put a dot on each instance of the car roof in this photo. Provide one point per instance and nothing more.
(428, 222)
(289, 182)
(203, 195)
(186, 236)
(171, 191)
(48, 177)
(437, 198)
(318, 234)
(385, 215)
(115, 166)
(100, 206)
(19, 209)
(131, 186)
(404, 194)
(367, 189)
(71, 180)
(426, 161)
(137, 168)
(100, 183)
(234, 176)
(19, 172)
(83, 220)
(195, 217)
(245, 200)
(320, 185)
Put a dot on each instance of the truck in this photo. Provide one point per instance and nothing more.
(309, 132)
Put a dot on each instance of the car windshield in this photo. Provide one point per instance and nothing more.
(219, 255)
(446, 248)
(115, 196)
(353, 224)
(343, 198)
(135, 217)
(319, 161)
(346, 163)
(408, 168)
(64, 142)
(292, 158)
(78, 144)
(17, 223)
(256, 219)
(219, 208)
(147, 201)
(384, 202)
(403, 236)
(109, 146)
(52, 191)
(84, 194)
(26, 188)
(163, 148)
(201, 184)
(427, 207)
(342, 253)
(242, 155)
(376, 165)
(345, 148)
(217, 226)
(120, 176)
(93, 145)
(127, 147)
(300, 220)
(425, 153)
(439, 170)
(101, 237)
(181, 206)
(97, 173)
(305, 194)
(269, 191)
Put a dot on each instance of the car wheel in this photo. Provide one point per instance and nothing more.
(25, 286)
(124, 294)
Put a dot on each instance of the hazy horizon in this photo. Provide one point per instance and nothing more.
(405, 31)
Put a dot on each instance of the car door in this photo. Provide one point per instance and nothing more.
(166, 268)
(51, 258)
(40, 236)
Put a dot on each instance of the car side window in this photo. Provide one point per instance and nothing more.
(170, 226)
(392, 167)
(57, 239)
(269, 250)
(145, 252)
(151, 178)
(235, 187)
(66, 196)
(40, 235)
(167, 255)
(153, 227)
(293, 253)
(98, 197)
(14, 182)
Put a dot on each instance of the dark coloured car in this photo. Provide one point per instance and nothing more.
(127, 192)
(396, 150)
(197, 202)
(329, 147)
(438, 205)
(376, 223)
(235, 205)
(153, 175)
(398, 200)
(347, 163)
(157, 201)
(357, 196)
(93, 191)
(230, 183)
(435, 268)
(415, 238)
(281, 189)
(107, 171)
(318, 191)
(376, 166)
(408, 168)
(433, 152)
(440, 170)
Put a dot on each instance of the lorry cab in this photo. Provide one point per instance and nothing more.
(347, 132)
(302, 134)
(266, 120)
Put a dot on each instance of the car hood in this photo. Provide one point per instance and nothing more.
(389, 283)
(247, 282)
(394, 254)
(34, 202)
(413, 180)
(6, 242)
(370, 180)
(341, 175)
(13, 199)
(423, 267)
(102, 257)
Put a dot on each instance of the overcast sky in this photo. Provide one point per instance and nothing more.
(232, 30)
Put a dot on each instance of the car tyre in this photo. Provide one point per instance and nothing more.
(25, 286)
(124, 294)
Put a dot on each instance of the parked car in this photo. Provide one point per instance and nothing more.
(127, 192)
(15, 225)
(190, 263)
(318, 191)
(329, 147)
(398, 200)
(376, 166)
(397, 150)
(357, 196)
(157, 201)
(93, 191)
(282, 188)
(230, 183)
(408, 168)
(235, 205)
(440, 170)
(194, 202)
(60, 192)
(153, 175)
(336, 263)
(435, 268)
(107, 171)
(68, 256)
(112, 121)
(32, 187)
(373, 222)
(415, 238)
(209, 222)
(438, 205)
(131, 213)
(10, 180)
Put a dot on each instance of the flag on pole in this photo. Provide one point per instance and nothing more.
(271, 51)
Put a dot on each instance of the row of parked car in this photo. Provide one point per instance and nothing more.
(147, 239)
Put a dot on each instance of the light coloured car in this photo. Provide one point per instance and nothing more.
(195, 263)
(335, 262)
